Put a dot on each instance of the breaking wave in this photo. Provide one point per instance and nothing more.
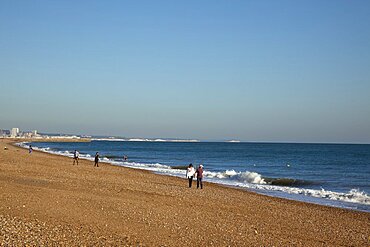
(246, 177)
(353, 196)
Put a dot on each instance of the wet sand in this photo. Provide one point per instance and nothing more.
(45, 200)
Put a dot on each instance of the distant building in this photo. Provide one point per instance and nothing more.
(34, 133)
(4, 133)
(14, 132)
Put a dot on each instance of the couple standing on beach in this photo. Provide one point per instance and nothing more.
(191, 173)
(76, 157)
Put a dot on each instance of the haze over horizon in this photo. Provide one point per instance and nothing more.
(283, 71)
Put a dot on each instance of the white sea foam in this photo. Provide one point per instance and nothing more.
(247, 179)
(353, 196)
(152, 165)
(22, 144)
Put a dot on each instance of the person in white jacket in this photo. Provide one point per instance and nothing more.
(190, 174)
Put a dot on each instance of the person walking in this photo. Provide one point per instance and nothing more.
(190, 174)
(199, 173)
(96, 159)
(30, 149)
(76, 156)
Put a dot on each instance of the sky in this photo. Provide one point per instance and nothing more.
(289, 71)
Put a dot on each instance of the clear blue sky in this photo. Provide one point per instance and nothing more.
(249, 70)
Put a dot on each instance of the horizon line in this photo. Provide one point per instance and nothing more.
(231, 140)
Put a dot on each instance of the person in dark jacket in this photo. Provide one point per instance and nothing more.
(199, 174)
(96, 159)
(76, 157)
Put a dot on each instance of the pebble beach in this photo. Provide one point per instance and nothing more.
(47, 201)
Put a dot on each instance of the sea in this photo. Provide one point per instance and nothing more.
(327, 174)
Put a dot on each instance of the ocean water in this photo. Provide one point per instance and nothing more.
(328, 174)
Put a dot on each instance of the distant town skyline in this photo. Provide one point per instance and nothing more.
(271, 71)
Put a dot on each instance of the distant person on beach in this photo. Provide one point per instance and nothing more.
(76, 156)
(96, 159)
(125, 158)
(199, 173)
(30, 149)
(190, 174)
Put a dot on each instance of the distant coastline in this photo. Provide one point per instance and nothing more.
(47, 139)
(144, 140)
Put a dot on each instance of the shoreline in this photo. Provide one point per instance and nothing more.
(151, 209)
(346, 202)
(247, 190)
